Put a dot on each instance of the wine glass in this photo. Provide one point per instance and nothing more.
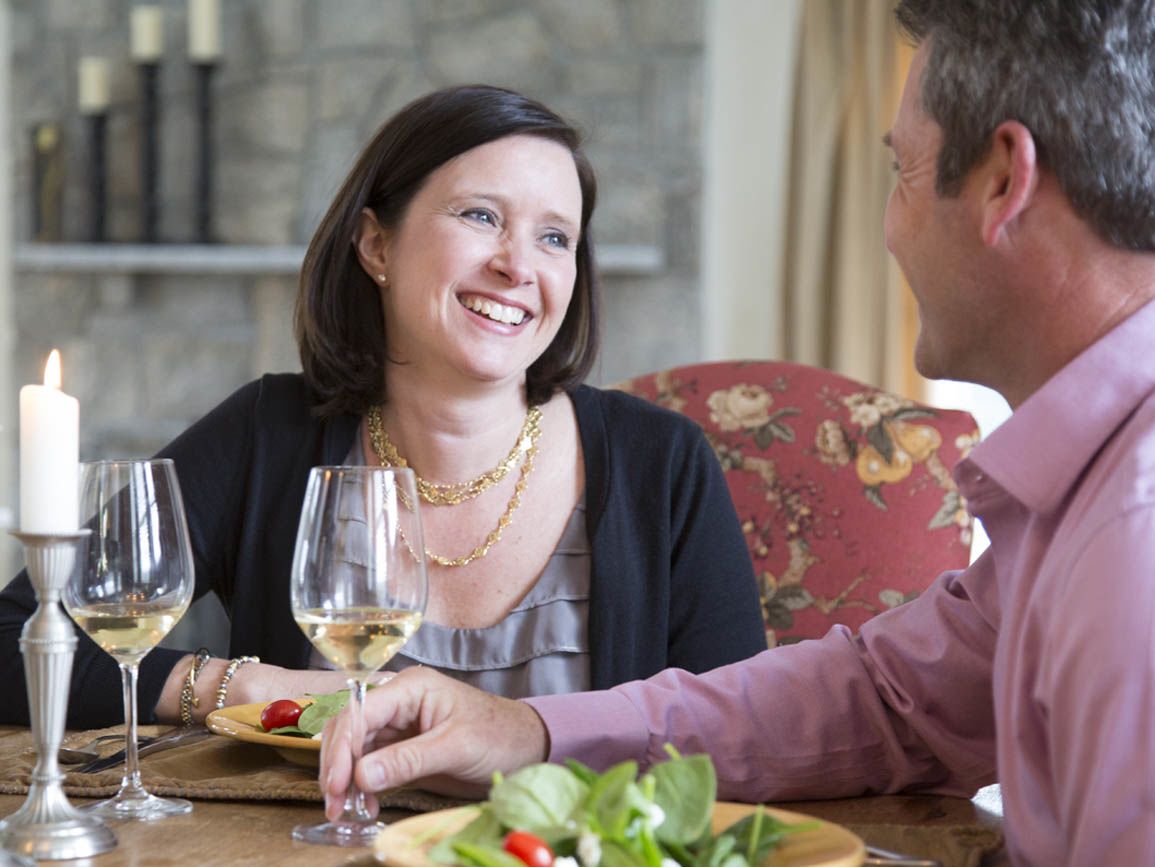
(132, 585)
(358, 593)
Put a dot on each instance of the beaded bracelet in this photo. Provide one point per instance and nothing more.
(188, 696)
(223, 686)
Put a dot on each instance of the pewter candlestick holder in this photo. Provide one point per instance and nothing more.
(47, 827)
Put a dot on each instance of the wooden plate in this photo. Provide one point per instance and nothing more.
(404, 843)
(243, 722)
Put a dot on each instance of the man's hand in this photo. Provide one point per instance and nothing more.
(423, 726)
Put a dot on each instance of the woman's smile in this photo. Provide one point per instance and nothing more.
(494, 311)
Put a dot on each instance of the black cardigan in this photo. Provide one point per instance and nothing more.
(671, 585)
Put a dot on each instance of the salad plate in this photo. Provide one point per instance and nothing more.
(407, 842)
(243, 722)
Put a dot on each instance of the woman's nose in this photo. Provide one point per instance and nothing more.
(512, 260)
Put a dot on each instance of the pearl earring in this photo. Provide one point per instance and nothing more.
(381, 277)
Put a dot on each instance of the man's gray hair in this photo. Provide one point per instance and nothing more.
(1079, 74)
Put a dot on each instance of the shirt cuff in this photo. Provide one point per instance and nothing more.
(598, 729)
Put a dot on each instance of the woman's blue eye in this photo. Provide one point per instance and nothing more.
(481, 215)
(557, 239)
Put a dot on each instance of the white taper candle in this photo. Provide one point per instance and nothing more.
(49, 455)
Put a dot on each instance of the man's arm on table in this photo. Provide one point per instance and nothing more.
(906, 706)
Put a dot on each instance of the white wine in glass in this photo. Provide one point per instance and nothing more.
(359, 589)
(358, 640)
(131, 587)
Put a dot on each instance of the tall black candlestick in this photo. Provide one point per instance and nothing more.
(149, 203)
(204, 187)
(97, 193)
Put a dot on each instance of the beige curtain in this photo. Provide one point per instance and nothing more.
(845, 305)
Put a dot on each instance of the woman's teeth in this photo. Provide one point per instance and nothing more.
(493, 310)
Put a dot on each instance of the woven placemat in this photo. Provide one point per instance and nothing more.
(216, 768)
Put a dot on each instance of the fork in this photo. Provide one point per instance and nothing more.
(876, 857)
(86, 753)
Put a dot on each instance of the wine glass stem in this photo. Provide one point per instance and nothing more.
(131, 781)
(354, 809)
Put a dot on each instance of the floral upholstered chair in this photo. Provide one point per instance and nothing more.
(844, 492)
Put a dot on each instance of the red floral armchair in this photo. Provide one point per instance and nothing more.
(844, 491)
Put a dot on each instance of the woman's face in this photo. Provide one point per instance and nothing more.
(481, 268)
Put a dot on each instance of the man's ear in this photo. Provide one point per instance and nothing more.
(1011, 173)
(371, 242)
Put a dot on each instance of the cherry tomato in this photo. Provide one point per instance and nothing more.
(529, 848)
(280, 713)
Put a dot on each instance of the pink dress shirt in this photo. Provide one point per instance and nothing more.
(1035, 666)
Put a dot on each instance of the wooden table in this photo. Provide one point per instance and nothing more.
(257, 833)
(218, 832)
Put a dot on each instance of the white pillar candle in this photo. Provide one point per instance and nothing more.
(204, 30)
(49, 455)
(147, 34)
(93, 85)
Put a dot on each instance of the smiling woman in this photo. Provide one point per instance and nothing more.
(446, 318)
(477, 279)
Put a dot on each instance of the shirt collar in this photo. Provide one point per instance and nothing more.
(1039, 452)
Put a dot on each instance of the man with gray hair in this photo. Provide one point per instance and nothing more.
(1024, 217)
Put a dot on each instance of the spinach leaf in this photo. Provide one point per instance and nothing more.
(685, 790)
(483, 830)
(313, 718)
(479, 855)
(614, 854)
(586, 774)
(651, 851)
(539, 799)
(613, 798)
(715, 852)
(293, 731)
(760, 832)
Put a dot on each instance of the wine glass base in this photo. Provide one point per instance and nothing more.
(339, 833)
(139, 809)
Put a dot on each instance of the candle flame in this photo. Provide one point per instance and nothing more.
(52, 369)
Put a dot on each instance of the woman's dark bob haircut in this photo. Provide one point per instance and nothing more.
(339, 321)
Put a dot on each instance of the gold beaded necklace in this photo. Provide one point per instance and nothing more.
(454, 493)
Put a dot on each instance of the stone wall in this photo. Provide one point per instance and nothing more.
(301, 86)
(303, 83)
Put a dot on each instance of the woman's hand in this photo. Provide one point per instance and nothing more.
(258, 682)
(423, 726)
(252, 683)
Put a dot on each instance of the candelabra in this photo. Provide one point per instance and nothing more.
(149, 209)
(47, 826)
(203, 71)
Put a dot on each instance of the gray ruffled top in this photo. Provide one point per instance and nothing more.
(540, 648)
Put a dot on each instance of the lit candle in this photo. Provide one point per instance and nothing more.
(147, 34)
(93, 85)
(49, 455)
(204, 30)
